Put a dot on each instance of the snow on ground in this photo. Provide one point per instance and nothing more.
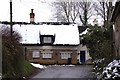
(63, 65)
(43, 66)
(70, 65)
(38, 66)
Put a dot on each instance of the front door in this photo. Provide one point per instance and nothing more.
(82, 56)
(69, 61)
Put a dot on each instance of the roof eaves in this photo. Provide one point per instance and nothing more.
(36, 23)
(50, 45)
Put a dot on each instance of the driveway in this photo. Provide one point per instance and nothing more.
(71, 72)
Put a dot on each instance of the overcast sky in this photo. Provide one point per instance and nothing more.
(22, 8)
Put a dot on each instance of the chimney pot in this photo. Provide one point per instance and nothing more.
(32, 16)
(32, 10)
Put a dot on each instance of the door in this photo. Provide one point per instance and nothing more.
(69, 61)
(82, 56)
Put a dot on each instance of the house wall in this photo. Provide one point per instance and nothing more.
(83, 48)
(56, 56)
(117, 36)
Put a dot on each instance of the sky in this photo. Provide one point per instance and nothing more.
(22, 8)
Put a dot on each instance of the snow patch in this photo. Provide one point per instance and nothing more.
(71, 65)
(84, 32)
(38, 66)
(61, 65)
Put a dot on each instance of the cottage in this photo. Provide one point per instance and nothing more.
(116, 28)
(52, 44)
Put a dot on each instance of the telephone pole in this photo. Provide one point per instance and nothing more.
(11, 24)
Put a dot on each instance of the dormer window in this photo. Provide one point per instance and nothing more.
(47, 39)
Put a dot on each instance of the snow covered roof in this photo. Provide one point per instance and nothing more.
(84, 32)
(64, 34)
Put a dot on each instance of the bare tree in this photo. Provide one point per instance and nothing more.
(62, 11)
(85, 12)
(74, 11)
(104, 9)
(69, 11)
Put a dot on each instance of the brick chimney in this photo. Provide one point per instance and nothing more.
(32, 16)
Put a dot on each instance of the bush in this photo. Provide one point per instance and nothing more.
(98, 65)
(13, 62)
(27, 69)
(111, 71)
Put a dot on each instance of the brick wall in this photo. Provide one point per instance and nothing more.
(56, 57)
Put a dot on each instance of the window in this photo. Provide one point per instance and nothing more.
(47, 39)
(65, 55)
(36, 54)
(47, 54)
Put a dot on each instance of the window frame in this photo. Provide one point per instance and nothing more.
(35, 54)
(47, 54)
(47, 39)
(65, 55)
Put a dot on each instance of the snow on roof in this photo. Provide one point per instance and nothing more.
(84, 32)
(64, 34)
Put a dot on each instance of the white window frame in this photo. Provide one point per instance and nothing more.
(36, 54)
(65, 55)
(46, 54)
(47, 39)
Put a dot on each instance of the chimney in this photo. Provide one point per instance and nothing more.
(32, 16)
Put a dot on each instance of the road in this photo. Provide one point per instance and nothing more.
(62, 72)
